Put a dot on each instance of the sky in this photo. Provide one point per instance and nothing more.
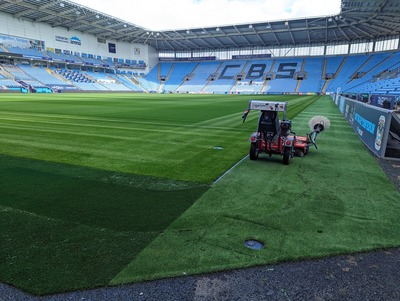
(158, 15)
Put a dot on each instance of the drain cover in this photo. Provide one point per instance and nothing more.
(218, 148)
(253, 244)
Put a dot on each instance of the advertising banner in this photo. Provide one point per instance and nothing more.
(62, 87)
(383, 101)
(189, 59)
(369, 122)
(21, 42)
(251, 56)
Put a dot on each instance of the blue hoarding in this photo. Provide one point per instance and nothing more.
(370, 123)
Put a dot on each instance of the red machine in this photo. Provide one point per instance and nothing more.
(274, 136)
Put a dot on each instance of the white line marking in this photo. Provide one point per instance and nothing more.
(229, 170)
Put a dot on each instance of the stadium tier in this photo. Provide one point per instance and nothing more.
(366, 73)
(176, 75)
(199, 77)
(371, 73)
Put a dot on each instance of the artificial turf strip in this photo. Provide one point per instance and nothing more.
(335, 200)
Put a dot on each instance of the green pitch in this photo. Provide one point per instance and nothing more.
(167, 136)
(100, 189)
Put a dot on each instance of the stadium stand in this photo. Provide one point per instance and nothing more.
(284, 71)
(27, 52)
(24, 80)
(150, 83)
(251, 80)
(226, 77)
(7, 84)
(178, 74)
(377, 78)
(16, 72)
(125, 80)
(313, 79)
(41, 74)
(61, 57)
(361, 73)
(200, 77)
(106, 80)
(74, 76)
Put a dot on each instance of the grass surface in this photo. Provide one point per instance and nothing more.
(65, 227)
(109, 189)
(167, 136)
(87, 181)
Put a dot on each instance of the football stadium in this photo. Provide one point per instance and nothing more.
(125, 158)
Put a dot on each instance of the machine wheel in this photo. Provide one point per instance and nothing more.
(253, 151)
(287, 155)
(298, 153)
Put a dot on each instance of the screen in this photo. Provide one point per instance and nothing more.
(111, 48)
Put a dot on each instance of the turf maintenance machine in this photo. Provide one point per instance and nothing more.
(274, 136)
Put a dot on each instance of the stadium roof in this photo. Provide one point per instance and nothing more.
(358, 20)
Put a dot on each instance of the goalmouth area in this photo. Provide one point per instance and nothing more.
(107, 189)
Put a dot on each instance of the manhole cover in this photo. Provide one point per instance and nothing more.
(218, 148)
(253, 244)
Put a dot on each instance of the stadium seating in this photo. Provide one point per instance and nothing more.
(63, 57)
(74, 76)
(226, 78)
(199, 77)
(124, 79)
(247, 84)
(349, 67)
(27, 52)
(363, 79)
(165, 68)
(41, 74)
(8, 84)
(378, 77)
(332, 65)
(91, 61)
(179, 72)
(313, 80)
(150, 83)
(17, 72)
(358, 73)
(106, 80)
(284, 70)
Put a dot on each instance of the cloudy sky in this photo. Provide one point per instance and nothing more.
(184, 14)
